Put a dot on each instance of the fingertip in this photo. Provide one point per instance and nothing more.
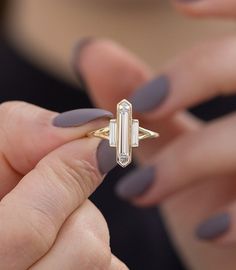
(136, 183)
(193, 8)
(214, 228)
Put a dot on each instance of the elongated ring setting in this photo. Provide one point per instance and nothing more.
(124, 133)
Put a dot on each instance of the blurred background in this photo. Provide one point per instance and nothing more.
(36, 45)
(150, 28)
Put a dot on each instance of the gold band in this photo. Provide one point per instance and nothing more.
(103, 133)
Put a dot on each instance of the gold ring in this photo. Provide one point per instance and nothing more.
(124, 133)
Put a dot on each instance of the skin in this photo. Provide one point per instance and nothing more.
(36, 26)
(205, 148)
(179, 192)
(49, 209)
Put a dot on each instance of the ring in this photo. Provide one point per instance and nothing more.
(124, 133)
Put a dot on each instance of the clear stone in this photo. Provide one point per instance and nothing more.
(135, 133)
(123, 159)
(124, 114)
(112, 133)
(124, 133)
(124, 106)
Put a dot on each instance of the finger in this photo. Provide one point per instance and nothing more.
(196, 156)
(220, 227)
(196, 76)
(28, 133)
(111, 73)
(33, 212)
(116, 264)
(201, 8)
(83, 242)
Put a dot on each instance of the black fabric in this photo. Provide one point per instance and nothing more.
(138, 236)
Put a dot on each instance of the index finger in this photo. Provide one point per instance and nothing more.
(28, 133)
(111, 73)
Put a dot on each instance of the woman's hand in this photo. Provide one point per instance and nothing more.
(192, 172)
(48, 170)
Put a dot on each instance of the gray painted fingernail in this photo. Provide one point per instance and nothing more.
(136, 183)
(79, 117)
(80, 46)
(106, 157)
(151, 95)
(214, 227)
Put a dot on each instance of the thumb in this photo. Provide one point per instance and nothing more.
(28, 133)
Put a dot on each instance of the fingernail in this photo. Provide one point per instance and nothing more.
(214, 227)
(79, 117)
(106, 157)
(151, 95)
(136, 183)
(78, 50)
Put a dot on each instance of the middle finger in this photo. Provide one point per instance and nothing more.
(112, 73)
(194, 157)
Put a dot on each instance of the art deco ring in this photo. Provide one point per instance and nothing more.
(124, 133)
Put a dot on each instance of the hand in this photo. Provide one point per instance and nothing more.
(48, 170)
(181, 176)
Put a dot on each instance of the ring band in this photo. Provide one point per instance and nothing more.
(124, 133)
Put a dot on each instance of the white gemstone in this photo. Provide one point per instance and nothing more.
(135, 133)
(124, 132)
(124, 106)
(124, 114)
(123, 159)
(112, 133)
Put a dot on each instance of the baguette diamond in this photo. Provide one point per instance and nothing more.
(124, 133)
(112, 133)
(135, 133)
(124, 115)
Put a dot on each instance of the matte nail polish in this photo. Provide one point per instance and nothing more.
(151, 95)
(106, 157)
(79, 117)
(78, 50)
(214, 227)
(136, 183)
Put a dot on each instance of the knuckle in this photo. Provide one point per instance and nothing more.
(98, 254)
(74, 175)
(19, 109)
(117, 264)
(90, 245)
(8, 108)
(9, 111)
(25, 238)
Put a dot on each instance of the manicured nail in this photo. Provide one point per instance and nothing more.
(151, 95)
(106, 157)
(78, 50)
(79, 117)
(136, 183)
(214, 227)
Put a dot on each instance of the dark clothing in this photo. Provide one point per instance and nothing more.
(138, 236)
